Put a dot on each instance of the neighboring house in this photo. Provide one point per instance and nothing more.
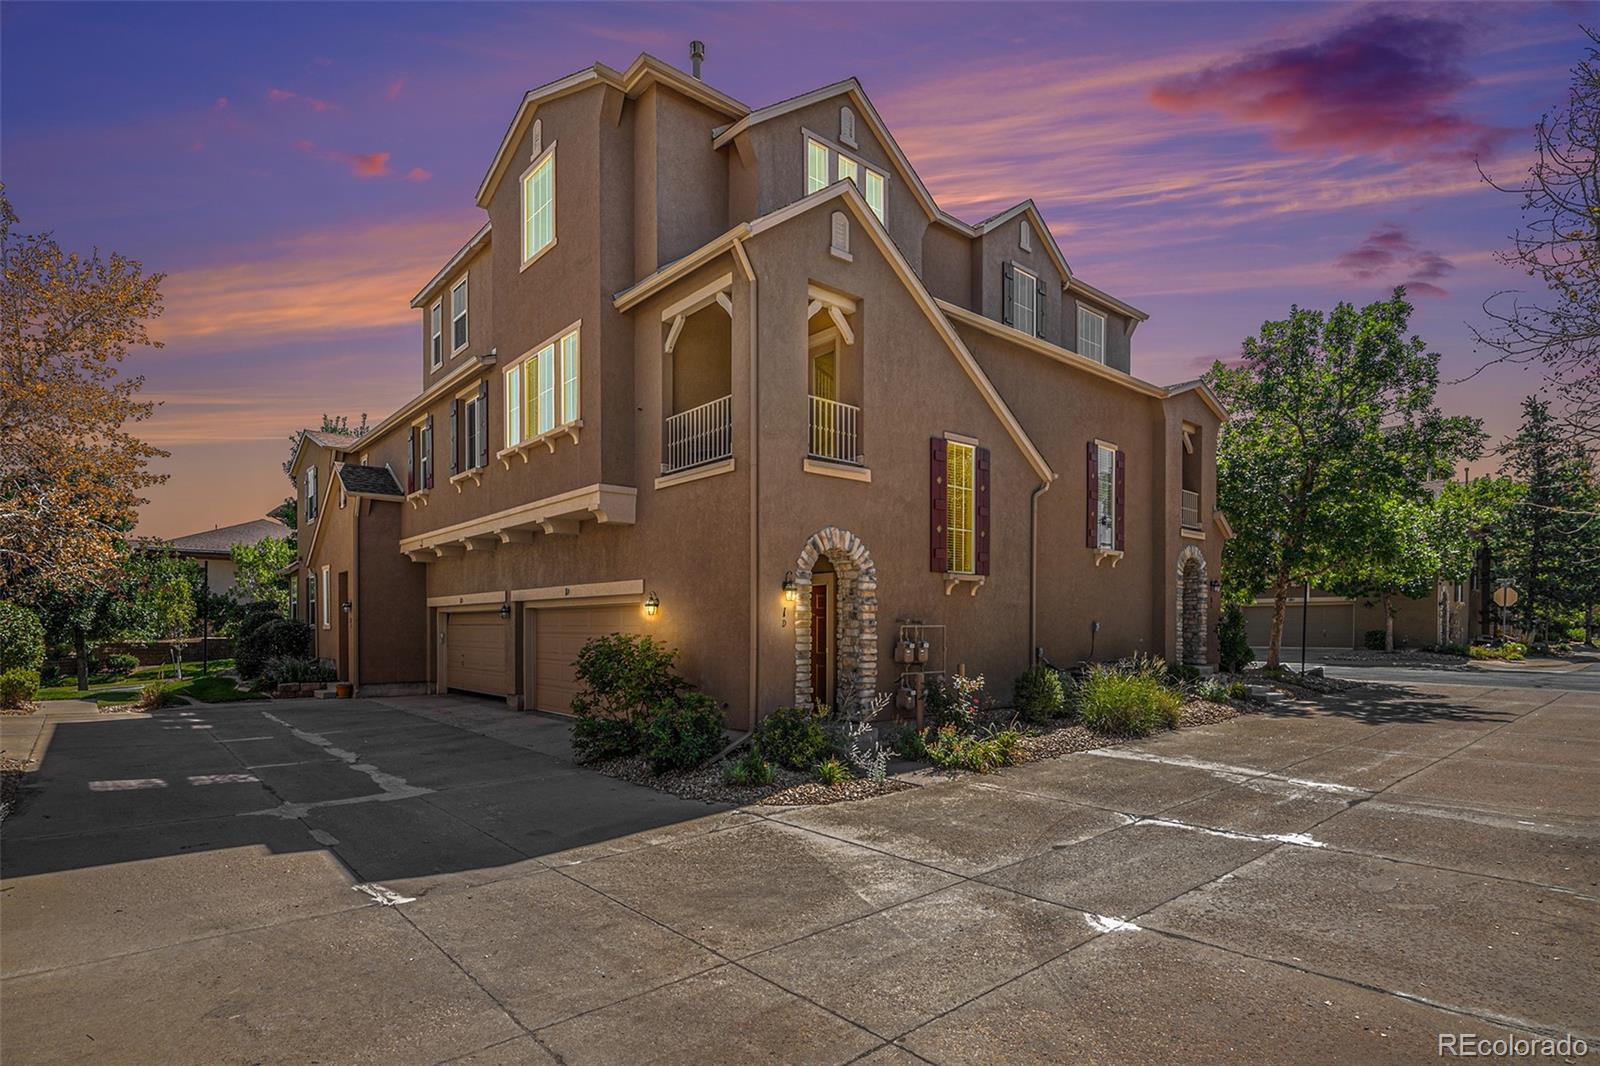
(212, 548)
(1452, 615)
(732, 378)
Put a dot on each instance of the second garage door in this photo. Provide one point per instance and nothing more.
(475, 653)
(1328, 625)
(558, 635)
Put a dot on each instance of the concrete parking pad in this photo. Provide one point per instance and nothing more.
(1528, 789)
(1127, 785)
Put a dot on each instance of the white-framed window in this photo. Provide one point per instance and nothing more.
(458, 316)
(436, 334)
(961, 512)
(311, 493)
(322, 599)
(1106, 520)
(874, 193)
(546, 419)
(848, 168)
(1091, 334)
(569, 377)
(816, 165)
(539, 206)
(1025, 237)
(514, 406)
(1024, 301)
(472, 412)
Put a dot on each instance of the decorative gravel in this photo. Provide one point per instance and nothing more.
(11, 771)
(1407, 657)
(1207, 712)
(17, 712)
(1063, 741)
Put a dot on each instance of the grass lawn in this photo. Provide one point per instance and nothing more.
(106, 689)
(215, 690)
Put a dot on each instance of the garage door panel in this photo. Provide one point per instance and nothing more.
(1327, 625)
(559, 634)
(475, 653)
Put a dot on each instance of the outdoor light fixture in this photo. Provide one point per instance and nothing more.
(791, 591)
(345, 606)
(652, 604)
(505, 610)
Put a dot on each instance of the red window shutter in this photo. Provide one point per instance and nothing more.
(411, 459)
(483, 424)
(427, 453)
(982, 532)
(1122, 493)
(1093, 497)
(938, 547)
(455, 446)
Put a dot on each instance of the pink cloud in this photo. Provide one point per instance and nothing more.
(396, 87)
(279, 96)
(369, 164)
(418, 174)
(1389, 252)
(1388, 82)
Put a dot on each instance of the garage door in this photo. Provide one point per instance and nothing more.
(558, 635)
(1328, 625)
(475, 653)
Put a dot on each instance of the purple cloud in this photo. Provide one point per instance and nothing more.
(1389, 251)
(1386, 83)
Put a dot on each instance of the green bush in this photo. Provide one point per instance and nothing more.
(1238, 691)
(683, 732)
(249, 617)
(749, 769)
(21, 638)
(1449, 649)
(831, 772)
(793, 737)
(622, 674)
(157, 694)
(951, 749)
(17, 686)
(1510, 651)
(271, 639)
(1233, 643)
(1126, 701)
(596, 738)
(295, 669)
(120, 665)
(1038, 696)
(1375, 639)
(908, 742)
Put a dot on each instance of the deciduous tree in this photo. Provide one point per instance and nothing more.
(258, 572)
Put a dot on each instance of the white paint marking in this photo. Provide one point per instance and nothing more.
(241, 740)
(222, 779)
(394, 788)
(1238, 775)
(127, 785)
(1102, 923)
(1298, 839)
(325, 838)
(385, 897)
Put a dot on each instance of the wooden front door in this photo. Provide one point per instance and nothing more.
(822, 638)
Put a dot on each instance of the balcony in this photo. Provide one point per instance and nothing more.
(1190, 508)
(698, 436)
(835, 432)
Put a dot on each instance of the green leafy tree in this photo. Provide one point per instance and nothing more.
(1468, 518)
(158, 600)
(1392, 555)
(1330, 412)
(258, 571)
(21, 638)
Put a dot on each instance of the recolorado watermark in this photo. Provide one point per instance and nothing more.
(1474, 1046)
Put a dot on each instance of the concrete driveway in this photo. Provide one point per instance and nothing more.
(430, 880)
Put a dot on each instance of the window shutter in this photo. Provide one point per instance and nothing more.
(427, 453)
(1038, 312)
(938, 546)
(455, 450)
(1121, 495)
(1093, 497)
(1006, 281)
(411, 459)
(982, 526)
(483, 423)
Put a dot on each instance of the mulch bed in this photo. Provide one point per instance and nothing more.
(18, 712)
(816, 794)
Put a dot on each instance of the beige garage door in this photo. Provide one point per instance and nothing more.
(475, 653)
(1328, 625)
(558, 634)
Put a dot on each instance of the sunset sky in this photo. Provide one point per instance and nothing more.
(298, 171)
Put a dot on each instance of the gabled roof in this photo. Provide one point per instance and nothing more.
(1207, 394)
(1079, 285)
(368, 480)
(1031, 209)
(217, 541)
(846, 193)
(642, 73)
(478, 240)
(332, 441)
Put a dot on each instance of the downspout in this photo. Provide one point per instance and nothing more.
(355, 596)
(755, 490)
(1033, 571)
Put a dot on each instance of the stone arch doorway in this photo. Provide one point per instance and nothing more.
(835, 619)
(1193, 606)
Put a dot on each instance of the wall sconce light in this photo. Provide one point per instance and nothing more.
(346, 606)
(791, 591)
(505, 610)
(1215, 584)
(652, 604)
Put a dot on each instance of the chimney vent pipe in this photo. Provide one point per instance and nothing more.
(697, 54)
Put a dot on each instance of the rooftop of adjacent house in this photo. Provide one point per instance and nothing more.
(369, 480)
(217, 541)
(332, 440)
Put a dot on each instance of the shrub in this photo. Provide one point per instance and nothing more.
(17, 686)
(1211, 689)
(157, 694)
(50, 673)
(749, 769)
(952, 749)
(120, 665)
(1125, 701)
(1038, 695)
(596, 737)
(1375, 639)
(793, 737)
(683, 732)
(831, 772)
(271, 639)
(1233, 643)
(1449, 649)
(1510, 651)
(624, 679)
(21, 638)
(910, 744)
(953, 700)
(250, 616)
(294, 670)
(1183, 675)
(1238, 691)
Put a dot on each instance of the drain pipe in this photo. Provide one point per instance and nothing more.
(1034, 651)
(754, 421)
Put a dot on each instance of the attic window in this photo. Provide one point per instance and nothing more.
(847, 126)
(840, 231)
(1025, 237)
(537, 136)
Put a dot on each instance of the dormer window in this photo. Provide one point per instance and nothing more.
(827, 163)
(816, 166)
(1091, 334)
(458, 316)
(539, 206)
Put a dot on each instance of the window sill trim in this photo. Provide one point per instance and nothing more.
(953, 579)
(1192, 533)
(475, 474)
(844, 471)
(419, 498)
(548, 438)
(1102, 554)
(695, 473)
(536, 256)
(840, 254)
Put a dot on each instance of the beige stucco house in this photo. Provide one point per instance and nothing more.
(731, 377)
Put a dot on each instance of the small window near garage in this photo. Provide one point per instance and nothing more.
(1107, 474)
(458, 316)
(1091, 334)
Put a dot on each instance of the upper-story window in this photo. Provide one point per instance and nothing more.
(1024, 300)
(458, 316)
(826, 163)
(476, 423)
(311, 493)
(1091, 334)
(539, 206)
(542, 389)
(1106, 511)
(513, 390)
(436, 335)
